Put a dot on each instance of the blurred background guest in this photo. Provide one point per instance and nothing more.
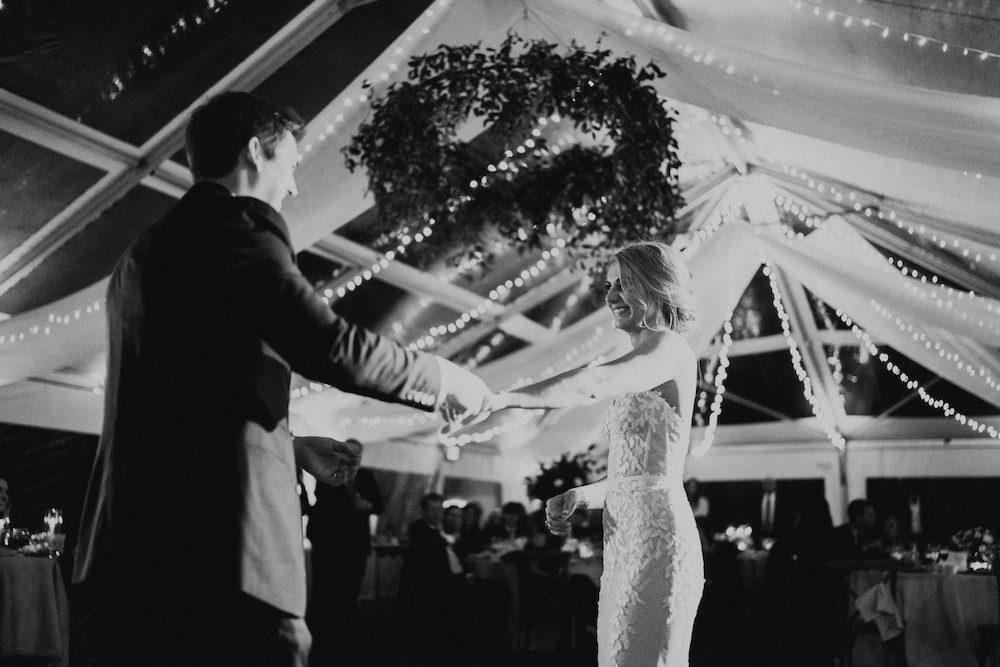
(801, 613)
(451, 521)
(339, 529)
(511, 523)
(470, 539)
(894, 538)
(858, 537)
(776, 504)
(698, 501)
(432, 589)
(701, 508)
(4, 498)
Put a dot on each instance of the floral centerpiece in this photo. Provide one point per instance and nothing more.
(979, 543)
(563, 474)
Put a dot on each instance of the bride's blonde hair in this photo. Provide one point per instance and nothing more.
(654, 274)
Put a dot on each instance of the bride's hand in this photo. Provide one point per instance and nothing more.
(558, 510)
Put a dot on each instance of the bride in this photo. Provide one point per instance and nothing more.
(653, 570)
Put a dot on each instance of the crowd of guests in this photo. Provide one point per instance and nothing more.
(445, 604)
(801, 611)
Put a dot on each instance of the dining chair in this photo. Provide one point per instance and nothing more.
(850, 624)
(989, 633)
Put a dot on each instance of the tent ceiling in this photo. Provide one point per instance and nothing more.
(92, 120)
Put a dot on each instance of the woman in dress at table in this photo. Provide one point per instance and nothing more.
(653, 571)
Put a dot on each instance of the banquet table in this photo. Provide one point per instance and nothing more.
(34, 612)
(941, 612)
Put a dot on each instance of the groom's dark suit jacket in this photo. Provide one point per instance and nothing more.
(194, 480)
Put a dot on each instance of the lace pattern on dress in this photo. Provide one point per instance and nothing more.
(653, 572)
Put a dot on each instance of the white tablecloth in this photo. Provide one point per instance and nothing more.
(941, 613)
(34, 614)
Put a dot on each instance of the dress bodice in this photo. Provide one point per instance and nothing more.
(647, 436)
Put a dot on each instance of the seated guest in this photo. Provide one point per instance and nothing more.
(856, 539)
(431, 586)
(451, 521)
(512, 523)
(893, 538)
(471, 537)
(540, 538)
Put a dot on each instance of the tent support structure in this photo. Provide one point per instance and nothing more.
(146, 159)
(340, 249)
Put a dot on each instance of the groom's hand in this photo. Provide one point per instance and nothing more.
(329, 461)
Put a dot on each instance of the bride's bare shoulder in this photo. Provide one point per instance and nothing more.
(669, 342)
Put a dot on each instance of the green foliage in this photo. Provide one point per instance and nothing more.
(619, 188)
(563, 474)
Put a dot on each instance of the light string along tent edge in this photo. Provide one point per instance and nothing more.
(848, 20)
(829, 428)
(876, 206)
(721, 373)
(910, 383)
(941, 301)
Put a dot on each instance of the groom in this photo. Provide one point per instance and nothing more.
(190, 549)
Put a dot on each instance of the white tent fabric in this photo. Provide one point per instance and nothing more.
(934, 150)
(948, 333)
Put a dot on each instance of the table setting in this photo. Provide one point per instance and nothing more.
(34, 611)
(944, 592)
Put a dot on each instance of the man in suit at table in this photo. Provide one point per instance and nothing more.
(774, 511)
(190, 549)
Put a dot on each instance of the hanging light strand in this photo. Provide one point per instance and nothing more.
(848, 21)
(721, 374)
(831, 432)
(912, 384)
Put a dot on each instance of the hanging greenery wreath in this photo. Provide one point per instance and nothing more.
(620, 187)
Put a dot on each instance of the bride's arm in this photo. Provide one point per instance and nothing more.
(643, 368)
(592, 495)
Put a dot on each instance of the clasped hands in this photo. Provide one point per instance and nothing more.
(467, 399)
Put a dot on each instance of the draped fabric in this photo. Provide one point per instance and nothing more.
(918, 146)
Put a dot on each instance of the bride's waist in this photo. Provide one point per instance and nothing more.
(647, 483)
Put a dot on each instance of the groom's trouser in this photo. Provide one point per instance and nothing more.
(159, 627)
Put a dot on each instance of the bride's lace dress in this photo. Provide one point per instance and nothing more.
(653, 570)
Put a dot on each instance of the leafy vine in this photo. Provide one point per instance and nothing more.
(616, 186)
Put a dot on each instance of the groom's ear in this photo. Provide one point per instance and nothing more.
(253, 154)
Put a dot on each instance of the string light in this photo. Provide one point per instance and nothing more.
(721, 374)
(153, 54)
(325, 128)
(494, 296)
(910, 383)
(521, 417)
(876, 209)
(931, 346)
(503, 168)
(831, 432)
(44, 325)
(848, 20)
